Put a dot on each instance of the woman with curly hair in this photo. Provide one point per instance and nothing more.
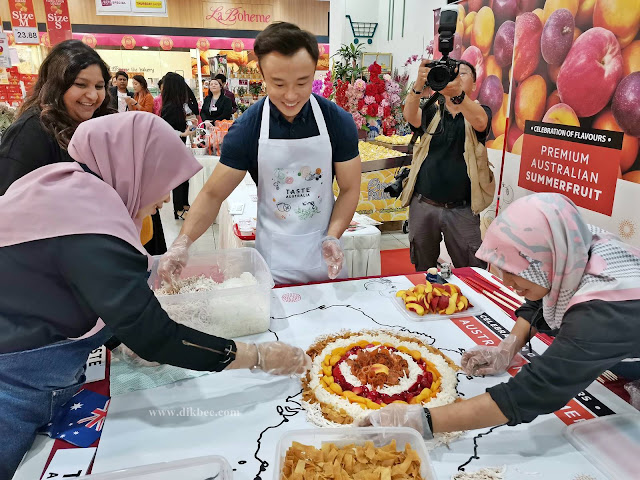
(71, 89)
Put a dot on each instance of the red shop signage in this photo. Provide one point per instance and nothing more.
(580, 163)
(23, 21)
(58, 23)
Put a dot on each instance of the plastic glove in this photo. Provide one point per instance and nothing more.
(333, 255)
(278, 358)
(398, 415)
(172, 262)
(633, 388)
(490, 360)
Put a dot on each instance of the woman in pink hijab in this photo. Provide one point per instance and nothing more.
(73, 274)
(582, 285)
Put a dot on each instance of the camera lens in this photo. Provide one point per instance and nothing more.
(438, 77)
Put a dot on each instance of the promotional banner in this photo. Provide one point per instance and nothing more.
(149, 8)
(577, 64)
(578, 163)
(23, 21)
(58, 23)
(484, 38)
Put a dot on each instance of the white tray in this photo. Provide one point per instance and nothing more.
(611, 443)
(358, 436)
(414, 317)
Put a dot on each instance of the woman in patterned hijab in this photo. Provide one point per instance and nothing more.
(542, 239)
(586, 284)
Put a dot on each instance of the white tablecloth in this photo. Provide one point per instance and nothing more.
(361, 246)
(241, 415)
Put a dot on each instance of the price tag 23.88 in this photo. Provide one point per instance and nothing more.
(26, 35)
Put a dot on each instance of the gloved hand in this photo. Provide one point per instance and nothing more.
(399, 415)
(333, 255)
(490, 360)
(278, 358)
(172, 262)
(633, 389)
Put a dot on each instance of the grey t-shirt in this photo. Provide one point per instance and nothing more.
(593, 337)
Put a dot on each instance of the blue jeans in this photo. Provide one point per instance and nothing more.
(33, 385)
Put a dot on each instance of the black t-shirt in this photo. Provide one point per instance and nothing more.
(443, 176)
(25, 147)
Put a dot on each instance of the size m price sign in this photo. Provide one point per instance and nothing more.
(23, 21)
(26, 35)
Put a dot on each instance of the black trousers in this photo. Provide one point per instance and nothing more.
(181, 196)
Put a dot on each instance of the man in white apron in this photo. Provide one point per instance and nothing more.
(292, 144)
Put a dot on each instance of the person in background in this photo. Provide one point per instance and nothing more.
(120, 92)
(142, 100)
(74, 238)
(174, 97)
(292, 143)
(157, 102)
(581, 285)
(228, 93)
(114, 82)
(450, 182)
(192, 103)
(71, 89)
(216, 105)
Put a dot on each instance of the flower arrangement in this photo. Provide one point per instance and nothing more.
(374, 105)
(255, 87)
(327, 91)
(317, 87)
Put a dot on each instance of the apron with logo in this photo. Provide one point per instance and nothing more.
(295, 202)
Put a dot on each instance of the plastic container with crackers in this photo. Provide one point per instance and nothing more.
(341, 437)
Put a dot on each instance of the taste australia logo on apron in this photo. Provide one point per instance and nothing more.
(295, 192)
(295, 201)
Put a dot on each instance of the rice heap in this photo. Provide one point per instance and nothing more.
(217, 313)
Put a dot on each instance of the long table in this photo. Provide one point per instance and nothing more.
(250, 412)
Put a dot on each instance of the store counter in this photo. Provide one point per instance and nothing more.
(361, 246)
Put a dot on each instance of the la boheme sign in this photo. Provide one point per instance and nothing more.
(579, 163)
(237, 16)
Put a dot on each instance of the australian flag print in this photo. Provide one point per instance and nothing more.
(80, 420)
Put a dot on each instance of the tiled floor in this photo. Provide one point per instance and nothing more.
(209, 241)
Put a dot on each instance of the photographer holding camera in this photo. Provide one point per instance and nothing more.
(450, 181)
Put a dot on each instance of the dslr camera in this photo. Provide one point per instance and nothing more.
(445, 69)
(394, 189)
